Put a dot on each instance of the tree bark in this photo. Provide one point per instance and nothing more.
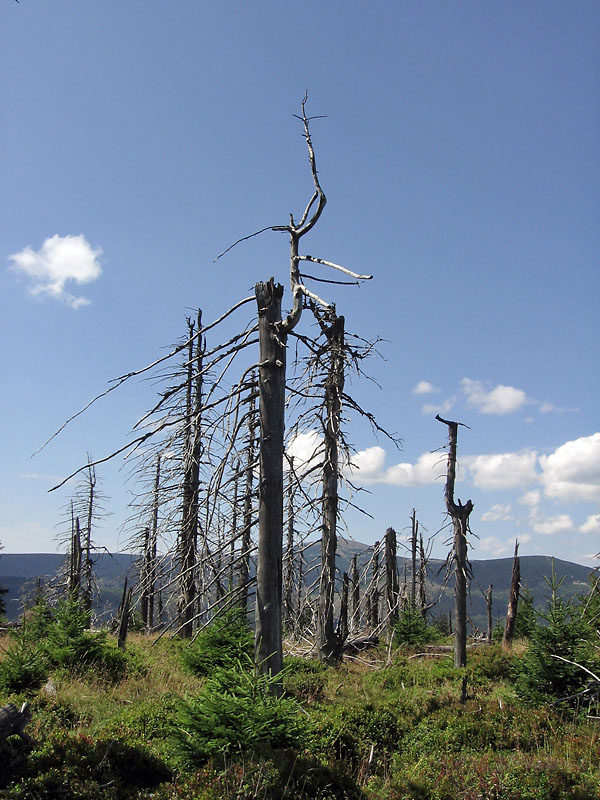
(413, 551)
(268, 644)
(459, 514)
(488, 605)
(391, 577)
(191, 483)
(247, 521)
(374, 593)
(354, 577)
(329, 643)
(513, 601)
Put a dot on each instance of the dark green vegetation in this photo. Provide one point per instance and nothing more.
(167, 720)
(18, 574)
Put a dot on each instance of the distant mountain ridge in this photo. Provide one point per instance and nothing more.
(19, 572)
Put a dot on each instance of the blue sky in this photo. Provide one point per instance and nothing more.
(461, 164)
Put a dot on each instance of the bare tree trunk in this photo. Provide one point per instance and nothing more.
(246, 531)
(513, 601)
(459, 514)
(422, 578)
(354, 577)
(268, 645)
(288, 605)
(374, 593)
(152, 548)
(87, 561)
(75, 559)
(391, 577)
(144, 578)
(488, 605)
(191, 482)
(123, 616)
(343, 626)
(329, 644)
(413, 550)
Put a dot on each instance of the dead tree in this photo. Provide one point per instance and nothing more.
(288, 604)
(268, 647)
(459, 515)
(191, 480)
(149, 564)
(355, 580)
(423, 559)
(513, 601)
(374, 593)
(74, 585)
(329, 642)
(413, 552)
(244, 569)
(488, 605)
(392, 589)
(342, 631)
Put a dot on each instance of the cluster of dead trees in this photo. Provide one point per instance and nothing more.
(220, 481)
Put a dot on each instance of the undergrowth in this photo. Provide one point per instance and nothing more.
(388, 727)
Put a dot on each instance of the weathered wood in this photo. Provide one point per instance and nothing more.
(357, 645)
(459, 514)
(392, 588)
(268, 628)
(13, 723)
(329, 643)
(513, 601)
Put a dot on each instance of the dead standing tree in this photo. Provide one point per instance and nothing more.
(459, 514)
(513, 601)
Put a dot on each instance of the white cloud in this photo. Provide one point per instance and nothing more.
(500, 400)
(497, 512)
(368, 466)
(503, 470)
(424, 387)
(305, 449)
(591, 525)
(551, 525)
(531, 498)
(494, 546)
(572, 472)
(60, 259)
(428, 469)
(439, 408)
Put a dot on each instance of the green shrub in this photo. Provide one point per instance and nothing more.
(411, 629)
(237, 711)
(305, 679)
(542, 675)
(24, 667)
(223, 643)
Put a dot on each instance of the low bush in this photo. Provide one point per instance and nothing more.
(223, 643)
(411, 629)
(237, 711)
(305, 679)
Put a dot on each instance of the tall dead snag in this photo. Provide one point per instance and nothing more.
(288, 604)
(374, 593)
(329, 641)
(392, 588)
(244, 570)
(343, 623)
(355, 579)
(268, 645)
(149, 564)
(513, 601)
(423, 559)
(413, 553)
(488, 605)
(74, 584)
(459, 514)
(191, 481)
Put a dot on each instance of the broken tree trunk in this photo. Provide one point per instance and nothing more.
(329, 643)
(513, 601)
(268, 645)
(191, 482)
(413, 552)
(392, 588)
(374, 593)
(488, 605)
(459, 514)
(247, 521)
(354, 577)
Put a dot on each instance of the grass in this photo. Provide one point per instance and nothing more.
(368, 732)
